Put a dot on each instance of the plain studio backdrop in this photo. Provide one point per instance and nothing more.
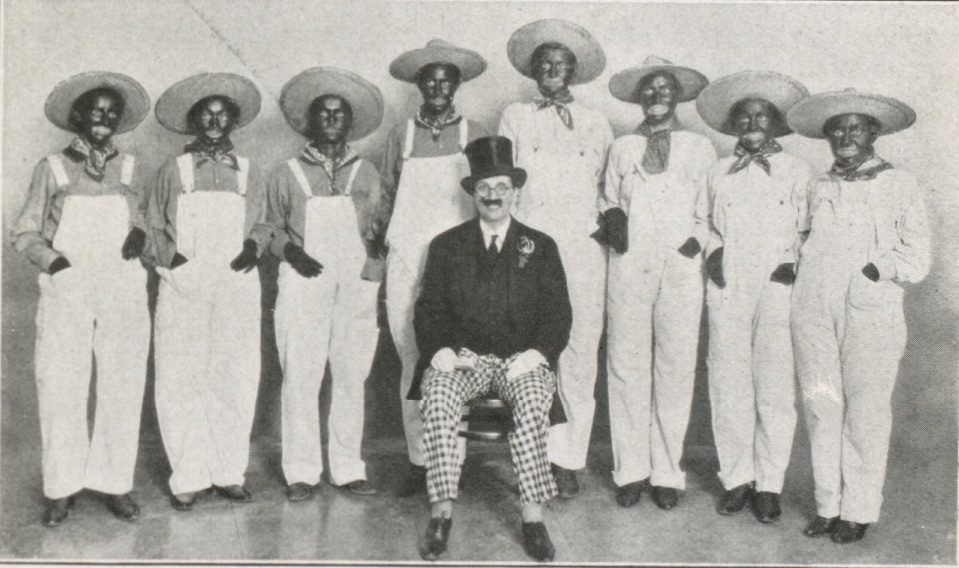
(910, 52)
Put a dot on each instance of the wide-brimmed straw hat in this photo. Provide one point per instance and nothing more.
(809, 115)
(718, 97)
(408, 65)
(623, 84)
(590, 59)
(136, 101)
(175, 103)
(364, 97)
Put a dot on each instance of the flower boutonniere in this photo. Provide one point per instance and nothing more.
(525, 247)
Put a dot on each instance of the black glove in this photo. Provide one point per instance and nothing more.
(714, 267)
(690, 248)
(871, 272)
(133, 245)
(783, 274)
(613, 230)
(246, 260)
(178, 260)
(58, 264)
(303, 263)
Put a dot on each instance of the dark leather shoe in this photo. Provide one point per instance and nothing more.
(665, 497)
(735, 499)
(820, 526)
(183, 501)
(414, 483)
(537, 543)
(299, 491)
(848, 531)
(236, 493)
(565, 481)
(360, 487)
(56, 511)
(766, 506)
(629, 494)
(123, 507)
(437, 535)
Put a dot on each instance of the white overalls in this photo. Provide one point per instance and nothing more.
(429, 200)
(207, 339)
(331, 317)
(96, 306)
(850, 332)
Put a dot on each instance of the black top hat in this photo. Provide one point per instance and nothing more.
(491, 156)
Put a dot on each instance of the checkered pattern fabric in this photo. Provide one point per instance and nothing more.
(528, 395)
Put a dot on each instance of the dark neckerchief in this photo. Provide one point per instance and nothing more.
(865, 170)
(436, 124)
(311, 155)
(658, 143)
(760, 156)
(95, 158)
(559, 102)
(219, 150)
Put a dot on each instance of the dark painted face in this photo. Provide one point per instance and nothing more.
(331, 118)
(851, 136)
(98, 120)
(438, 83)
(658, 94)
(213, 119)
(553, 69)
(755, 122)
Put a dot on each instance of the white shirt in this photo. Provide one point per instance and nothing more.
(500, 233)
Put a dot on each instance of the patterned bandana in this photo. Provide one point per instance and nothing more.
(760, 156)
(656, 157)
(855, 172)
(219, 150)
(559, 102)
(96, 158)
(436, 124)
(311, 155)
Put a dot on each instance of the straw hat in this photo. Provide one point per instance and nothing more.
(365, 98)
(809, 115)
(136, 101)
(175, 103)
(623, 84)
(589, 54)
(719, 96)
(408, 65)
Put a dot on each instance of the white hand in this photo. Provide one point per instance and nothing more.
(525, 362)
(445, 360)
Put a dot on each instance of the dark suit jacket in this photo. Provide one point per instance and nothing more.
(448, 310)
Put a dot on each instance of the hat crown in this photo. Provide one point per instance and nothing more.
(437, 42)
(656, 60)
(489, 156)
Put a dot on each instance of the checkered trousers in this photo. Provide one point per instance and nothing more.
(528, 395)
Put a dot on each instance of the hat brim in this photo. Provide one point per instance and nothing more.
(518, 175)
(716, 100)
(136, 101)
(407, 66)
(809, 115)
(175, 103)
(364, 97)
(623, 84)
(590, 58)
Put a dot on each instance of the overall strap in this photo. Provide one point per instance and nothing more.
(408, 144)
(59, 172)
(297, 170)
(354, 169)
(464, 133)
(184, 163)
(126, 169)
(242, 176)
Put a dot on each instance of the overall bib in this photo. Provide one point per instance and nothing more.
(96, 306)
(328, 318)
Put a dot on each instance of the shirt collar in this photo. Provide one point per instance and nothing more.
(500, 233)
(313, 156)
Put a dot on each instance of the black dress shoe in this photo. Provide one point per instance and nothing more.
(123, 507)
(735, 499)
(414, 483)
(437, 535)
(848, 531)
(565, 481)
(236, 493)
(820, 526)
(629, 494)
(766, 506)
(360, 487)
(665, 497)
(56, 511)
(299, 491)
(537, 543)
(183, 501)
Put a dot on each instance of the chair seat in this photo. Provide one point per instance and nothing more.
(486, 418)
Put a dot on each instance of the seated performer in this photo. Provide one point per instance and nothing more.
(493, 314)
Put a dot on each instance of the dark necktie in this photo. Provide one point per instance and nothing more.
(492, 251)
(558, 102)
(761, 156)
(656, 156)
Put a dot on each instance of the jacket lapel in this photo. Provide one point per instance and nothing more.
(512, 260)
